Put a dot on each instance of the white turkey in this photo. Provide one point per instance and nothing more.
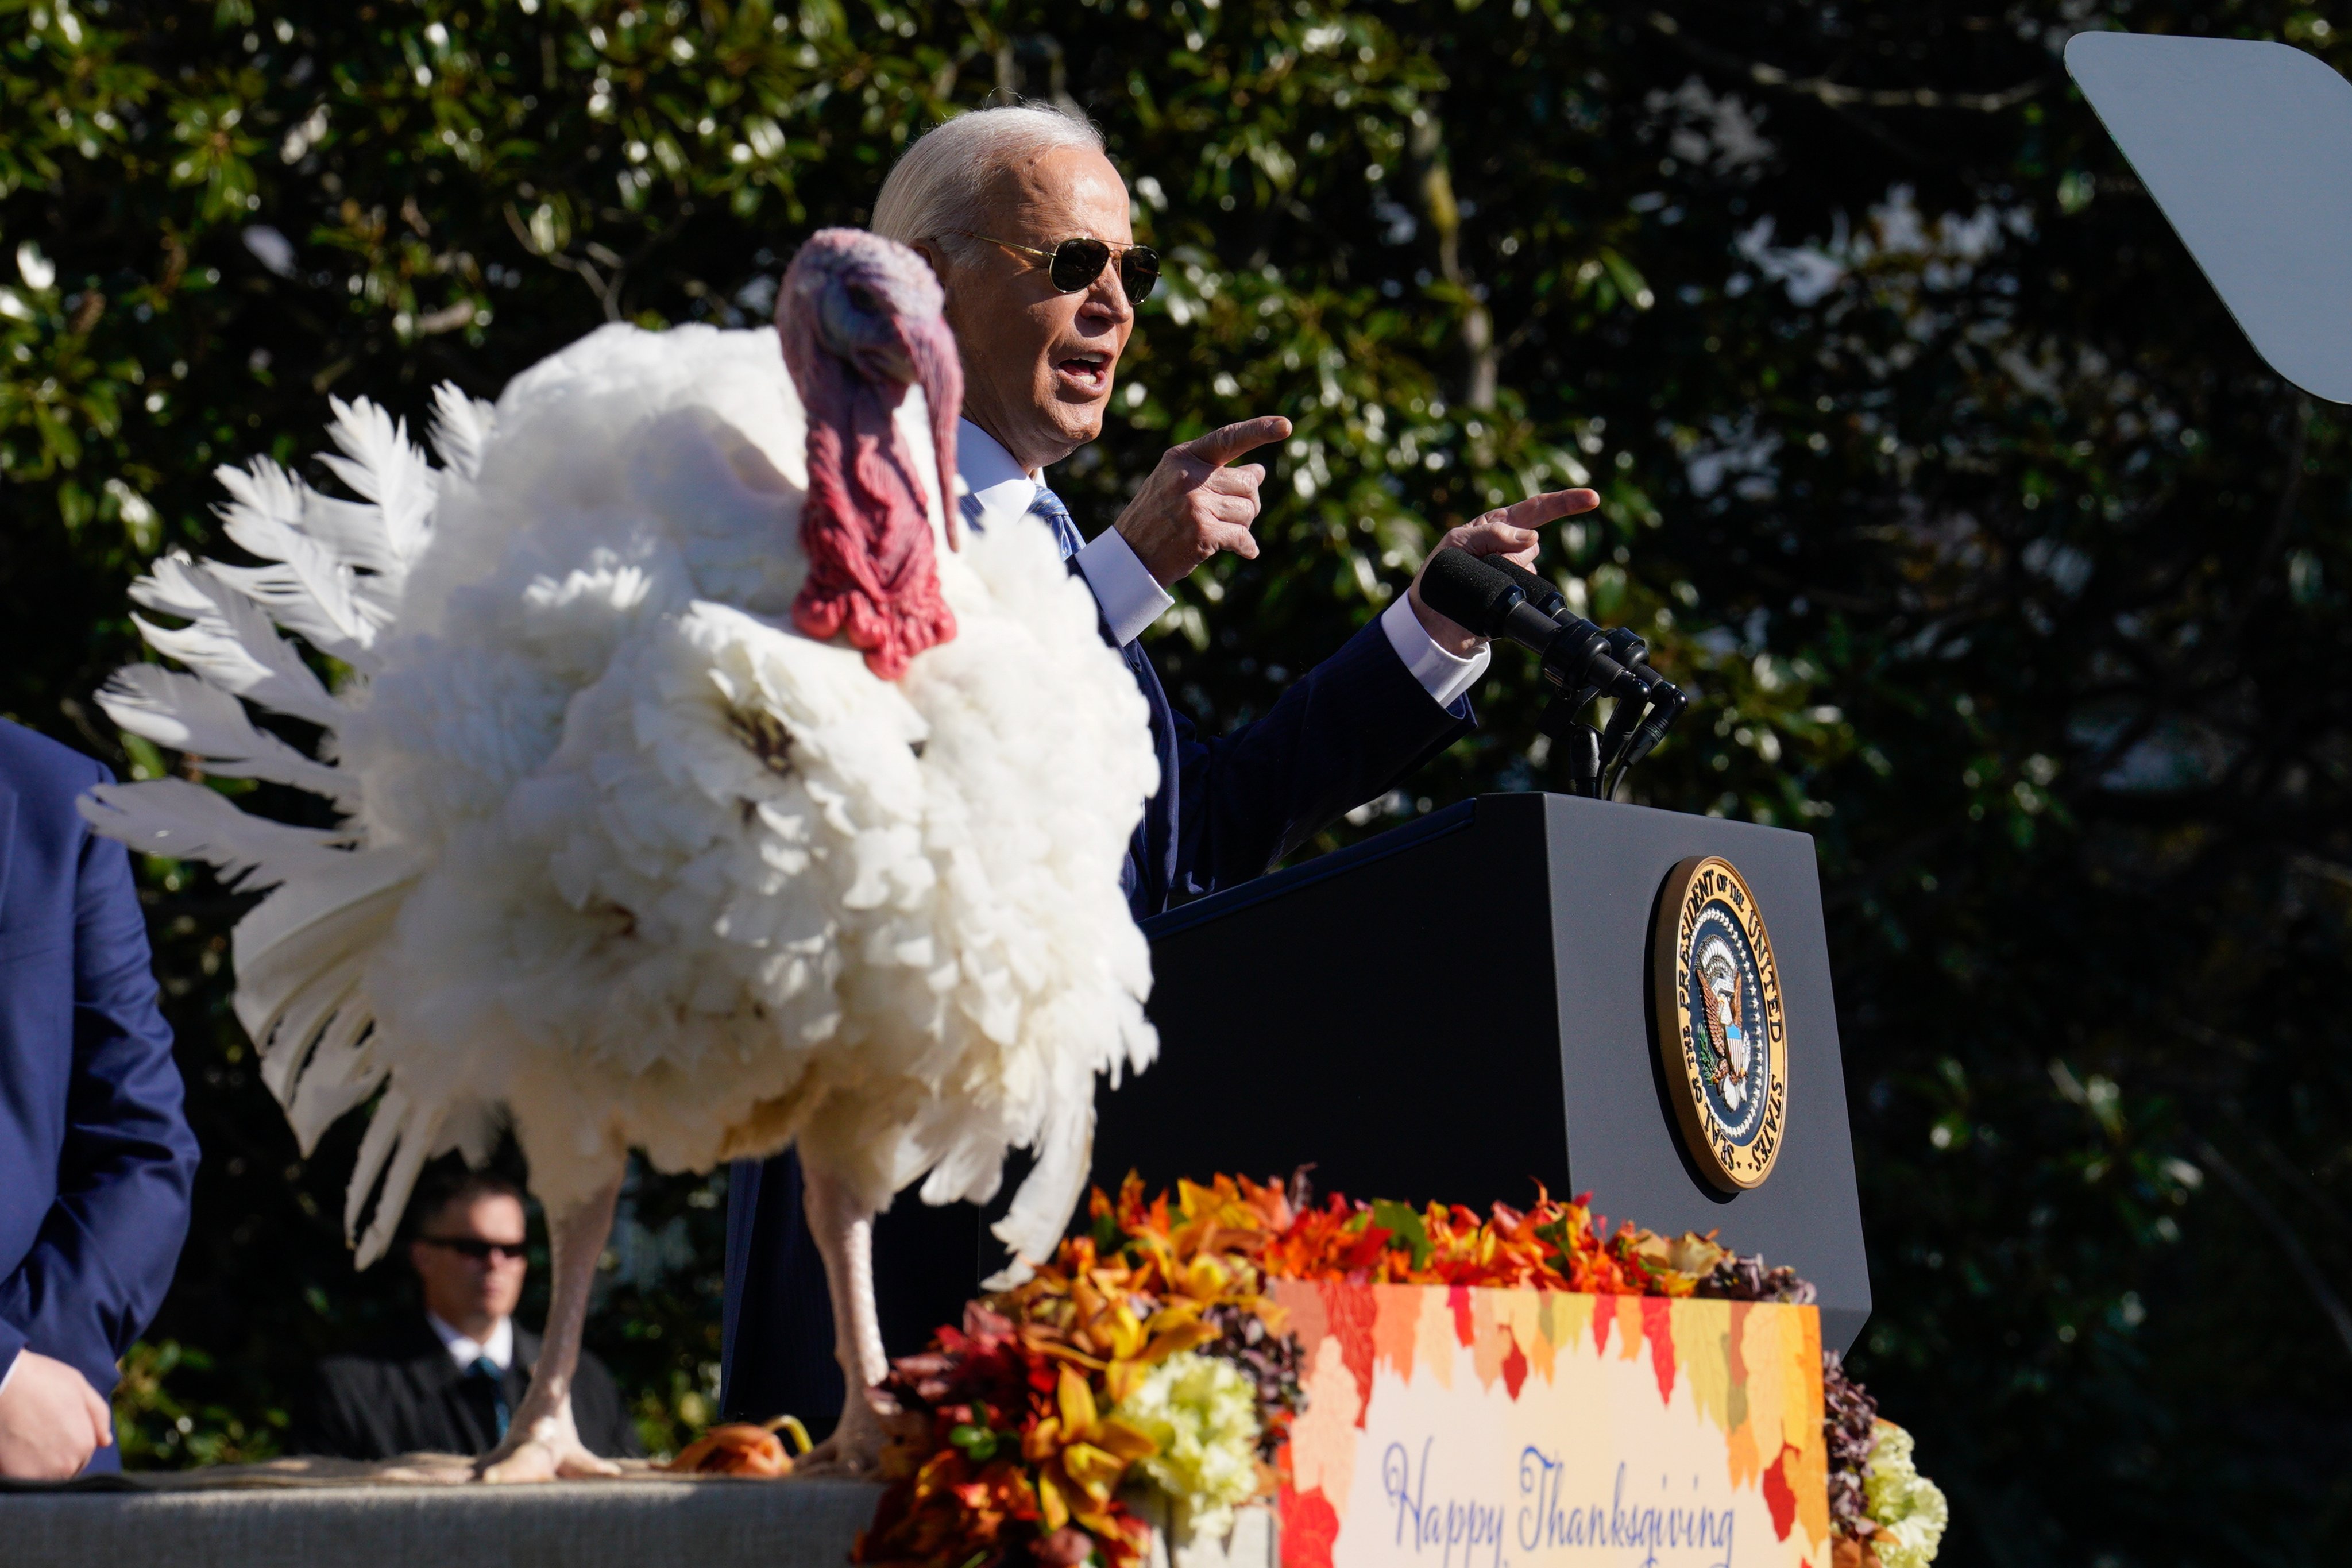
(698, 792)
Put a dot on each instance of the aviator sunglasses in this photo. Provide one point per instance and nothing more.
(1075, 264)
(473, 1248)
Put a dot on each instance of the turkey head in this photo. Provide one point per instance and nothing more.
(860, 318)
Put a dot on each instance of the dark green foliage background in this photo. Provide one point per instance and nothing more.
(2006, 569)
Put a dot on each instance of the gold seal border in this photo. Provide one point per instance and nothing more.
(1677, 1051)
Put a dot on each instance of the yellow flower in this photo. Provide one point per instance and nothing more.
(1081, 1455)
(1201, 1415)
(1909, 1508)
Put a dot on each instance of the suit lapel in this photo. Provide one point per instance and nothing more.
(1150, 868)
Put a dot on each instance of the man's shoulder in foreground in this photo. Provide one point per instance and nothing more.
(44, 770)
(29, 757)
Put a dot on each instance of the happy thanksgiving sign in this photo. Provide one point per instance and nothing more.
(1458, 1427)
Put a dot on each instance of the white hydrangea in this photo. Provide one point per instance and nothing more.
(1202, 1413)
(1903, 1503)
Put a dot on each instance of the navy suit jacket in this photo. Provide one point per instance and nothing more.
(1228, 809)
(96, 1159)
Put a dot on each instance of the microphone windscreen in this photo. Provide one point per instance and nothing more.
(1469, 592)
(1540, 591)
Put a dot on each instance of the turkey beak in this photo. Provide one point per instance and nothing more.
(938, 371)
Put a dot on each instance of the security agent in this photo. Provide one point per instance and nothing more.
(449, 1378)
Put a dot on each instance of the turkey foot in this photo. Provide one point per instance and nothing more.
(843, 1229)
(542, 1443)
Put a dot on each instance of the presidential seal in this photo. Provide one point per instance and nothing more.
(1721, 1035)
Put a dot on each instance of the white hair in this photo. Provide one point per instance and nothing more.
(940, 185)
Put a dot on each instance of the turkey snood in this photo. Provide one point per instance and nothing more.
(860, 323)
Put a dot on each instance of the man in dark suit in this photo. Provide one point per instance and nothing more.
(1026, 222)
(96, 1159)
(447, 1381)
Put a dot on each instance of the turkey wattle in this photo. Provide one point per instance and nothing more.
(695, 796)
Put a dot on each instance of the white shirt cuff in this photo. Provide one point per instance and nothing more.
(1130, 596)
(1444, 676)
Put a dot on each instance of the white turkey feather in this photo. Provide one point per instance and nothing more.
(228, 640)
(312, 590)
(188, 715)
(641, 864)
(379, 464)
(461, 429)
(184, 821)
(287, 600)
(337, 1080)
(296, 940)
(401, 1135)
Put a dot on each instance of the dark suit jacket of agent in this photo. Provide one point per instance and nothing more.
(96, 1159)
(404, 1395)
(1228, 809)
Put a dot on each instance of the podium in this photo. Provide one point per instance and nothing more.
(1465, 1007)
(1457, 1009)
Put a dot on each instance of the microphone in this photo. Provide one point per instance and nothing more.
(1540, 591)
(1653, 729)
(1469, 591)
(1626, 646)
(1638, 725)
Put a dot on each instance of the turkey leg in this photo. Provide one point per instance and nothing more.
(843, 1229)
(541, 1442)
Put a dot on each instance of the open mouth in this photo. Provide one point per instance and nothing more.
(1089, 373)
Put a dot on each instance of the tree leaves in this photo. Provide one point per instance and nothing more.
(1928, 461)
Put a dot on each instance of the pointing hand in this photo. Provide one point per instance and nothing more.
(1508, 531)
(1195, 504)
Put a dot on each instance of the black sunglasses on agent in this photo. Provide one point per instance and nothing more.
(1075, 264)
(473, 1248)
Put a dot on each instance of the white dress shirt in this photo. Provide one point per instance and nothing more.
(498, 1350)
(1131, 598)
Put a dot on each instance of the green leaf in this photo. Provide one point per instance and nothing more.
(1406, 1230)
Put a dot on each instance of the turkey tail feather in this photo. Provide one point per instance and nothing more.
(184, 821)
(229, 641)
(335, 1074)
(295, 937)
(401, 1135)
(381, 464)
(461, 429)
(311, 590)
(188, 715)
(1042, 1208)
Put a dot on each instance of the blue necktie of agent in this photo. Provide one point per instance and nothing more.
(488, 1371)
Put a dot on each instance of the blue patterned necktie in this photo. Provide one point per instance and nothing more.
(488, 1371)
(1058, 517)
(1047, 506)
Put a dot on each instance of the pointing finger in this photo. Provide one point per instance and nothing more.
(1220, 446)
(1490, 534)
(1543, 509)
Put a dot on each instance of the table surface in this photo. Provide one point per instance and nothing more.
(309, 1514)
(709, 1523)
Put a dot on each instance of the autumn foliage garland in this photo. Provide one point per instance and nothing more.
(1147, 1350)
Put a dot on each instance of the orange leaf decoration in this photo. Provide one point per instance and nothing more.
(736, 1448)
